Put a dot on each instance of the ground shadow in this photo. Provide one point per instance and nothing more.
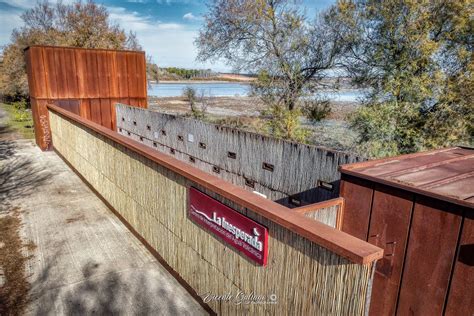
(19, 176)
(105, 294)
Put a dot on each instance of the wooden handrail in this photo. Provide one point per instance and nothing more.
(343, 244)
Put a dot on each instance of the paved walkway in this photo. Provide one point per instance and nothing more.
(85, 261)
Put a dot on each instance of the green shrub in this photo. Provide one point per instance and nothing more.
(316, 110)
(283, 123)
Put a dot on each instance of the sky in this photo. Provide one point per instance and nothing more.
(166, 29)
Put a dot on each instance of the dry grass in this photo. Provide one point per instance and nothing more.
(15, 287)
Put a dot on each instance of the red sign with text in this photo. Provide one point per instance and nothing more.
(240, 232)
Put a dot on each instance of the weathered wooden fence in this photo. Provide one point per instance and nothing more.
(292, 174)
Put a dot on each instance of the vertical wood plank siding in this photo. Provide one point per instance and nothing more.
(427, 237)
(93, 78)
(297, 168)
(306, 278)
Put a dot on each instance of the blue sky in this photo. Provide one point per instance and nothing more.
(165, 28)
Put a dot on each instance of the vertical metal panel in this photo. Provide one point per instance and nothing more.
(132, 75)
(113, 113)
(36, 73)
(358, 202)
(105, 113)
(142, 103)
(92, 78)
(85, 110)
(96, 111)
(389, 226)
(50, 72)
(134, 102)
(62, 103)
(61, 75)
(461, 292)
(75, 106)
(122, 74)
(112, 71)
(81, 66)
(70, 72)
(141, 75)
(102, 74)
(431, 249)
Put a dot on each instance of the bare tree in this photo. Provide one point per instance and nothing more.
(275, 38)
(79, 24)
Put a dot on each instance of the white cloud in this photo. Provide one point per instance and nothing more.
(169, 26)
(191, 17)
(169, 44)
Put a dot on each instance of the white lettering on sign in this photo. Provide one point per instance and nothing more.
(234, 230)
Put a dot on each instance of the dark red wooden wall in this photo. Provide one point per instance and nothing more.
(87, 82)
(428, 263)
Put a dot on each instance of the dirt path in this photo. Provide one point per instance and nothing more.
(75, 255)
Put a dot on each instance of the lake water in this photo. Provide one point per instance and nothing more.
(231, 89)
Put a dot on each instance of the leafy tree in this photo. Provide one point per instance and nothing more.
(416, 58)
(80, 24)
(276, 39)
(191, 95)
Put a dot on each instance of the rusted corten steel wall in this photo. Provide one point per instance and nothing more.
(312, 269)
(87, 82)
(419, 208)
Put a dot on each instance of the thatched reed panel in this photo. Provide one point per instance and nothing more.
(306, 278)
(326, 215)
(297, 168)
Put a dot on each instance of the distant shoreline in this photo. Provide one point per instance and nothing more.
(197, 81)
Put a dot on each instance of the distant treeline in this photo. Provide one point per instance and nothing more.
(189, 73)
(174, 73)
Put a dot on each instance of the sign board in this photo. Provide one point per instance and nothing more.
(238, 231)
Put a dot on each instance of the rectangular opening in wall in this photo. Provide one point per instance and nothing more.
(231, 155)
(294, 201)
(268, 166)
(250, 183)
(325, 185)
